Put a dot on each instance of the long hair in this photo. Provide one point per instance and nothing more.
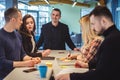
(87, 33)
(23, 26)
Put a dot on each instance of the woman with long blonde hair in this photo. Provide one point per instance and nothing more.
(91, 43)
(87, 33)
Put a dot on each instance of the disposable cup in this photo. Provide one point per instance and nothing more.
(42, 67)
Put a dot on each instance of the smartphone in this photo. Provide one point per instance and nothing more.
(30, 70)
(48, 58)
(61, 52)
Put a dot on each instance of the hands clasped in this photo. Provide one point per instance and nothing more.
(32, 62)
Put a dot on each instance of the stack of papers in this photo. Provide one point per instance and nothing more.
(65, 62)
(73, 70)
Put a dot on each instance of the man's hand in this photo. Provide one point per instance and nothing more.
(36, 60)
(62, 77)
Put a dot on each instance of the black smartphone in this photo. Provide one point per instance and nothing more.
(30, 70)
(48, 58)
(61, 52)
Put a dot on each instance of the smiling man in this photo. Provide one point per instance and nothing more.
(55, 34)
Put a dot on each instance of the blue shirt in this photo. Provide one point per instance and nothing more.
(10, 50)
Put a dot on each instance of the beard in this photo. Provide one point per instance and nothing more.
(101, 32)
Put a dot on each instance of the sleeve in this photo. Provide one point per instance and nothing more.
(23, 53)
(93, 48)
(92, 62)
(25, 44)
(90, 75)
(4, 62)
(41, 38)
(68, 39)
(95, 44)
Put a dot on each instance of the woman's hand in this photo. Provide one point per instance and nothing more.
(80, 64)
(46, 52)
(76, 49)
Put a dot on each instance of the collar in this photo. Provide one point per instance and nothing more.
(109, 30)
(55, 26)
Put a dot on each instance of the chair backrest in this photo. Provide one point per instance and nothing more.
(77, 40)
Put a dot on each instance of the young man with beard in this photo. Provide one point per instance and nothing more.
(105, 65)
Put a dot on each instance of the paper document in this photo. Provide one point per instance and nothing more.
(73, 70)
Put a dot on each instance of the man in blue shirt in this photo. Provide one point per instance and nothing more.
(11, 51)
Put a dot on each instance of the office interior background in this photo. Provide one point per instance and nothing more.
(70, 14)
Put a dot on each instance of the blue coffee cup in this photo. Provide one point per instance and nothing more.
(42, 70)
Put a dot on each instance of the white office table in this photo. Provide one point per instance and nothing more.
(18, 74)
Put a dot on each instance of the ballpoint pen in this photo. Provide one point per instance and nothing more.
(69, 54)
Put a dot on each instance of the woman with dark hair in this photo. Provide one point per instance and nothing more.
(27, 32)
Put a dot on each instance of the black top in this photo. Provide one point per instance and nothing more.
(106, 62)
(27, 45)
(54, 38)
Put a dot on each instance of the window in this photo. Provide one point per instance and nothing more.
(118, 15)
(2, 9)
